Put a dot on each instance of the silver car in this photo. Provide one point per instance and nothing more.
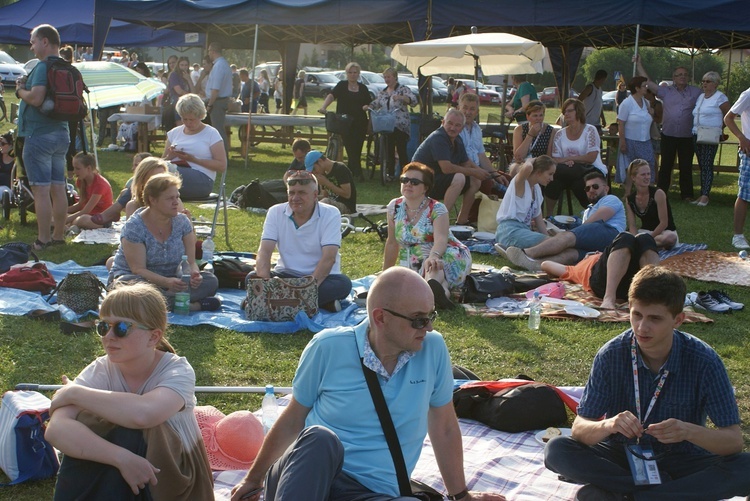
(10, 69)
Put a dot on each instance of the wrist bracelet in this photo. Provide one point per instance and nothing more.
(439, 256)
(458, 496)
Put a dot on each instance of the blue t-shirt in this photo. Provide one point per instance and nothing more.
(330, 381)
(30, 120)
(161, 258)
(438, 147)
(618, 220)
(697, 386)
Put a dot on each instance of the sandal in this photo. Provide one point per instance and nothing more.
(56, 242)
(38, 245)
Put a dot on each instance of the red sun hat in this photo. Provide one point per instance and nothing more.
(232, 441)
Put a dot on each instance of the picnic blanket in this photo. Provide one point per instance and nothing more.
(231, 316)
(573, 292)
(711, 266)
(509, 463)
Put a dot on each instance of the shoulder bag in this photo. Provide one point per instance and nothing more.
(479, 287)
(704, 134)
(280, 299)
(79, 291)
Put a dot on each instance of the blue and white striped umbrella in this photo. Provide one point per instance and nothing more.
(111, 84)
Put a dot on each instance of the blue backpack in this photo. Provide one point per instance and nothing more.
(24, 453)
(14, 253)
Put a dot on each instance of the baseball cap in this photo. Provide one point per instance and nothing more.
(310, 159)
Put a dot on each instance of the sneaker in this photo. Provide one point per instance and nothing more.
(519, 258)
(723, 297)
(691, 299)
(332, 306)
(740, 242)
(501, 251)
(211, 303)
(710, 303)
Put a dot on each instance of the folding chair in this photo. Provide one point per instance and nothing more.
(221, 200)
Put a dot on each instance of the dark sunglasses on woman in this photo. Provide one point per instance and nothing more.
(410, 180)
(120, 329)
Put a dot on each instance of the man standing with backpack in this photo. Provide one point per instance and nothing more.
(46, 141)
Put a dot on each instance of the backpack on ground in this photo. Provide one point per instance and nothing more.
(79, 291)
(34, 277)
(14, 253)
(257, 194)
(231, 272)
(24, 453)
(65, 88)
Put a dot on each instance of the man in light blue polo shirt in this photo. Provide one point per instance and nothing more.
(328, 443)
(603, 220)
(218, 90)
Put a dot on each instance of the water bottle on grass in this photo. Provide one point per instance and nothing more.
(208, 253)
(535, 312)
(182, 299)
(270, 409)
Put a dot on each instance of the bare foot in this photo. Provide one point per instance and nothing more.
(608, 304)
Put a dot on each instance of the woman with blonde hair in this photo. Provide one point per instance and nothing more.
(146, 169)
(650, 205)
(130, 410)
(153, 242)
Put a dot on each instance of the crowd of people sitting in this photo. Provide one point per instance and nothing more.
(312, 452)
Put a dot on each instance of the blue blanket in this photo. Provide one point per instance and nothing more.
(231, 316)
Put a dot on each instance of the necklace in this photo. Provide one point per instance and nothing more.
(421, 206)
(413, 214)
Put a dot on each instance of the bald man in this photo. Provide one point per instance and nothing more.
(329, 443)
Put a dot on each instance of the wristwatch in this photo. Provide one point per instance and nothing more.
(458, 496)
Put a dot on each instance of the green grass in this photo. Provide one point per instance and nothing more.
(560, 353)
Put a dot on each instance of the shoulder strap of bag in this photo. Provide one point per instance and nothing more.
(404, 486)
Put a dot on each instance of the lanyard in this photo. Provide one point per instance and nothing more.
(657, 392)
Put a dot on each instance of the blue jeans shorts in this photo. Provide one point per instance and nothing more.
(593, 237)
(44, 158)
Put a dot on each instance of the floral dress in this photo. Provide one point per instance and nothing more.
(416, 239)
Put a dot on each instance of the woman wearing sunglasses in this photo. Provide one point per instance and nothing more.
(130, 410)
(153, 242)
(7, 161)
(419, 237)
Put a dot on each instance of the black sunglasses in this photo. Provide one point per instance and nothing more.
(416, 323)
(653, 457)
(294, 182)
(410, 180)
(120, 329)
(591, 187)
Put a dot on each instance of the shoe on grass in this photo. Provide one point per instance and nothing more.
(710, 303)
(740, 242)
(518, 257)
(501, 251)
(723, 297)
(211, 303)
(593, 493)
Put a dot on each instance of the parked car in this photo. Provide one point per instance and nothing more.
(374, 81)
(550, 97)
(10, 69)
(272, 67)
(30, 65)
(320, 84)
(439, 90)
(486, 96)
(499, 90)
(608, 100)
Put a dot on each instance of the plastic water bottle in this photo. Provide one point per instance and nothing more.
(182, 299)
(743, 255)
(535, 312)
(67, 314)
(270, 409)
(208, 253)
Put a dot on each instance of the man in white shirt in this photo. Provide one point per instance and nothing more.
(218, 90)
(591, 97)
(741, 108)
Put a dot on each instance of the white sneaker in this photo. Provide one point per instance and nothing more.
(740, 242)
(710, 303)
(519, 258)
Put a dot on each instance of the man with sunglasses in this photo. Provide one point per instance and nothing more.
(329, 442)
(678, 102)
(602, 221)
(308, 237)
(455, 174)
(641, 428)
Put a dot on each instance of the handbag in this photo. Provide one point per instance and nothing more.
(707, 135)
(24, 453)
(406, 487)
(35, 278)
(479, 287)
(79, 291)
(338, 123)
(280, 299)
(231, 272)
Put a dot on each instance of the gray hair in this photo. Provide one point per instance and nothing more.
(191, 104)
(713, 76)
(454, 111)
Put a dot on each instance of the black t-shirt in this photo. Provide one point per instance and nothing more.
(351, 103)
(341, 175)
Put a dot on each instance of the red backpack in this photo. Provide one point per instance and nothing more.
(29, 278)
(65, 88)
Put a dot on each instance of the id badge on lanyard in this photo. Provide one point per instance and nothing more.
(644, 469)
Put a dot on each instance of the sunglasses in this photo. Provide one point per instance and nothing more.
(707, 81)
(295, 177)
(416, 323)
(410, 180)
(120, 329)
(591, 187)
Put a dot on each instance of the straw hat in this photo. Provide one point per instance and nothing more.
(232, 441)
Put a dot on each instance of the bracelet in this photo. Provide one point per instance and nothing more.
(439, 256)
(458, 496)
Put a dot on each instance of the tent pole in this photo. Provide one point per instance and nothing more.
(637, 36)
(246, 153)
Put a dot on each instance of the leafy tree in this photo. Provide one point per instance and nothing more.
(739, 80)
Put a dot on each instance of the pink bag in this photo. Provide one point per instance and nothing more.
(553, 289)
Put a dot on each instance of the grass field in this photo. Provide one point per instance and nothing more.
(560, 353)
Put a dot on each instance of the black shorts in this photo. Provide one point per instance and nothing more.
(638, 245)
(442, 182)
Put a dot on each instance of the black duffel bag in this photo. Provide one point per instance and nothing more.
(479, 287)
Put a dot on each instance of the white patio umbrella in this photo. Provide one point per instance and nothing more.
(496, 53)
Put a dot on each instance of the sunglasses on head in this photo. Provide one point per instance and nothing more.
(410, 180)
(120, 329)
(591, 187)
(416, 323)
(295, 177)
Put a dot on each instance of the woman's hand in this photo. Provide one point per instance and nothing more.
(432, 264)
(182, 155)
(63, 396)
(174, 284)
(137, 471)
(623, 147)
(535, 129)
(195, 279)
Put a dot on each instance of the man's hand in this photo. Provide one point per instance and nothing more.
(245, 488)
(670, 431)
(483, 496)
(627, 424)
(744, 144)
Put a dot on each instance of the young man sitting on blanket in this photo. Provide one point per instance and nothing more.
(641, 428)
(329, 443)
(608, 274)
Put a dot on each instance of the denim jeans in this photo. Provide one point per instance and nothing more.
(44, 157)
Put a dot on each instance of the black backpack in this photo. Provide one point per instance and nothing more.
(65, 88)
(231, 272)
(256, 194)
